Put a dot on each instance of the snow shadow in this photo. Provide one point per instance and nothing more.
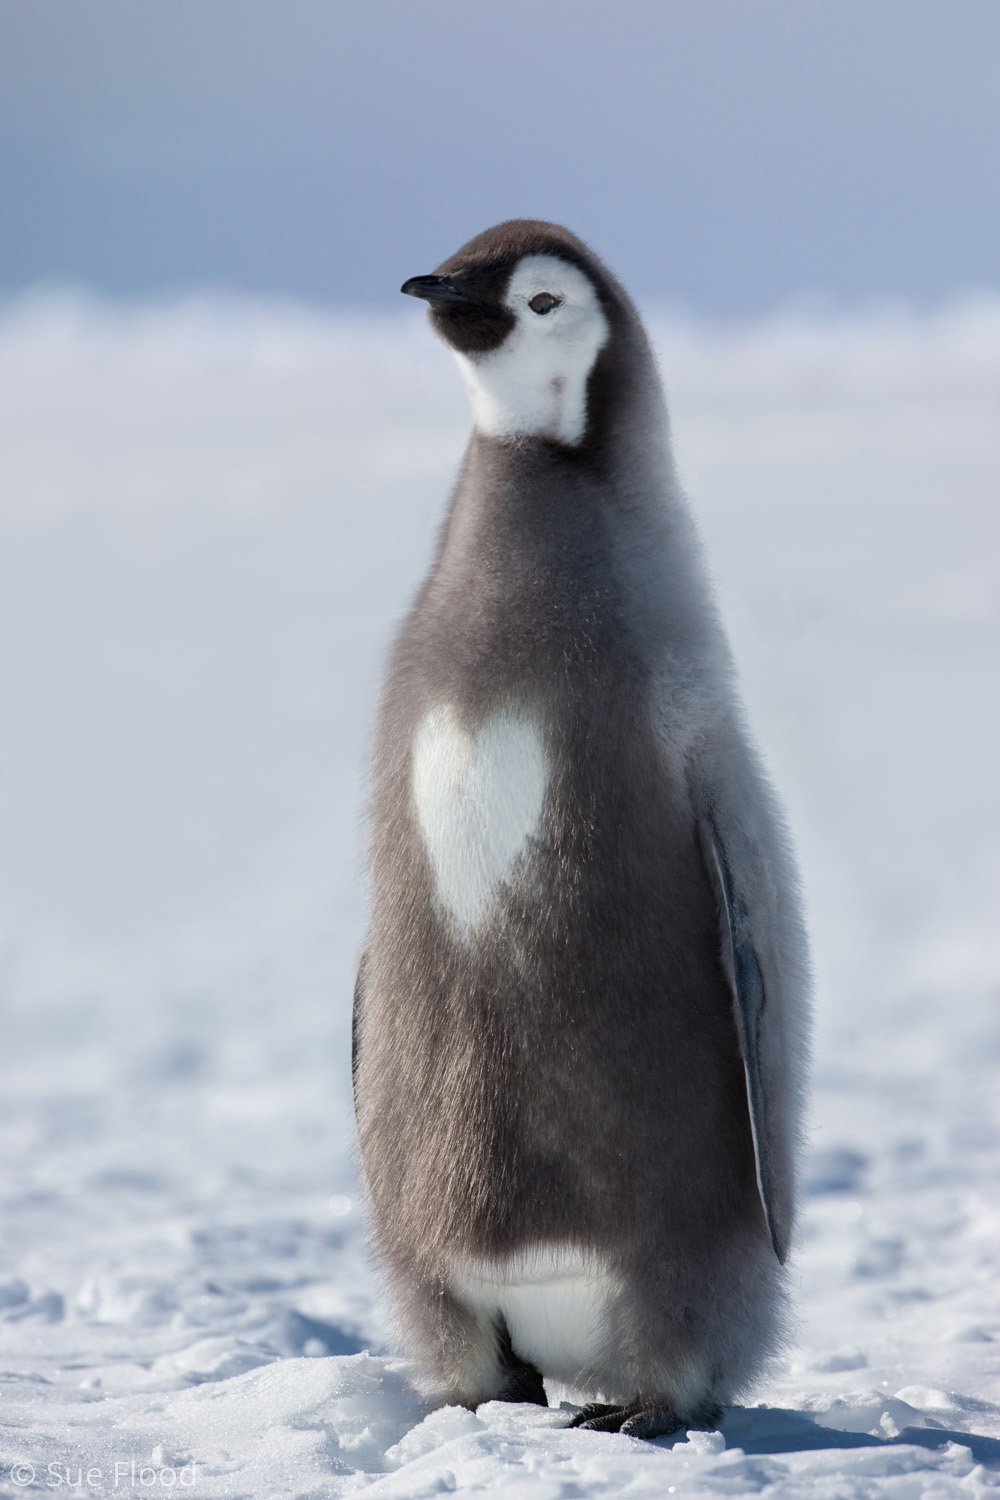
(763, 1430)
(314, 1336)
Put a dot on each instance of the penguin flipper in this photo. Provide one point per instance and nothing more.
(359, 1000)
(743, 969)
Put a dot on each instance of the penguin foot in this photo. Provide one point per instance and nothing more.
(524, 1384)
(633, 1421)
(592, 1412)
(653, 1422)
(522, 1381)
(598, 1416)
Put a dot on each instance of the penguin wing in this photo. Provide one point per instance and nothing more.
(359, 1000)
(763, 952)
(750, 998)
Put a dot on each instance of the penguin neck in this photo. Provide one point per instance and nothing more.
(522, 500)
(534, 493)
(592, 539)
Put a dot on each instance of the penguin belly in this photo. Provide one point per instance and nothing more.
(555, 1301)
(479, 797)
(539, 1080)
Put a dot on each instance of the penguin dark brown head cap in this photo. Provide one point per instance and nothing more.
(581, 1012)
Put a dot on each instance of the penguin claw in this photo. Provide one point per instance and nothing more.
(608, 1421)
(594, 1412)
(632, 1421)
(654, 1422)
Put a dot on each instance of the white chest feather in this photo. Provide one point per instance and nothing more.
(554, 1300)
(479, 800)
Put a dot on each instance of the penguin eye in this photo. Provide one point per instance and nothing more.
(543, 302)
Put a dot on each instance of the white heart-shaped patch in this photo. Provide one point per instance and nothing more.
(479, 801)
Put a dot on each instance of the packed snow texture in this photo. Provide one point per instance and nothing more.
(212, 514)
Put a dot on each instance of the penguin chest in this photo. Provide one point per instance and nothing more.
(479, 798)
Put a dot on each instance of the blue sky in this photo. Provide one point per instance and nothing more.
(723, 155)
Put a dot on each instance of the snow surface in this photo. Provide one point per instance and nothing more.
(211, 514)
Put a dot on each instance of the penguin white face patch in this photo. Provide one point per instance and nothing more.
(478, 800)
(536, 381)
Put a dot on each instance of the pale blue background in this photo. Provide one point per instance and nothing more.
(722, 154)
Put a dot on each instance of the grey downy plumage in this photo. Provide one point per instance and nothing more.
(581, 1011)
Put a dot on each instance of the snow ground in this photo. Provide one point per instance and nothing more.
(211, 513)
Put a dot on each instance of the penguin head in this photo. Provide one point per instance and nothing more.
(528, 311)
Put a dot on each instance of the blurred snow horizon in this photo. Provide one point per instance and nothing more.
(170, 466)
(213, 512)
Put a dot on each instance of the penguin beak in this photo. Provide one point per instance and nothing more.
(439, 291)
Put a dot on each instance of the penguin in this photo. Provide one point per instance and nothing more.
(581, 1013)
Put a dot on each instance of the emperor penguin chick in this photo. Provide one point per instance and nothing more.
(580, 1016)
